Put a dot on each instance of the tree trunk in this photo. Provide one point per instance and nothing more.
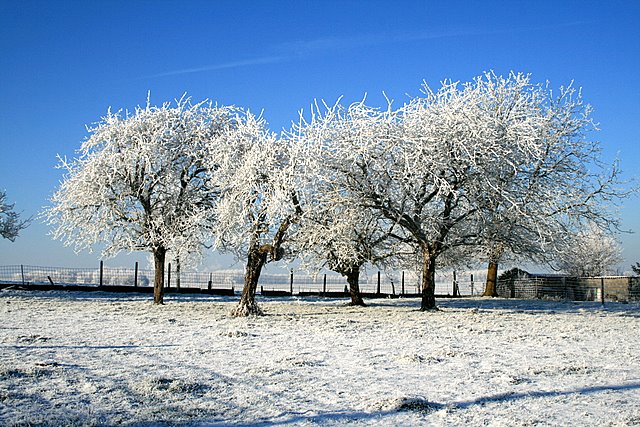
(248, 306)
(428, 281)
(158, 281)
(353, 279)
(178, 273)
(490, 289)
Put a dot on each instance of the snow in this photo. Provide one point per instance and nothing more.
(98, 358)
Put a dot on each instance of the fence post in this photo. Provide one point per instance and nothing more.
(602, 290)
(101, 273)
(22, 271)
(471, 284)
(210, 280)
(456, 292)
(378, 289)
(135, 275)
(291, 282)
(402, 282)
(393, 288)
(324, 285)
(169, 276)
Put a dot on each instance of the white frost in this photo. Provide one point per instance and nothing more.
(87, 359)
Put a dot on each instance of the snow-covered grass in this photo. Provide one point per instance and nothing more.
(105, 359)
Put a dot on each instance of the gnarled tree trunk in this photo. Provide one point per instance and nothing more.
(428, 281)
(159, 255)
(256, 259)
(490, 289)
(353, 279)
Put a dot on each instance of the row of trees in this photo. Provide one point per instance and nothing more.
(493, 169)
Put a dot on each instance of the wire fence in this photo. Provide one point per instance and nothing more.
(295, 283)
(610, 288)
(451, 283)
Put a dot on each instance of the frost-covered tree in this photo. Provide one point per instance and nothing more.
(344, 238)
(336, 231)
(591, 252)
(139, 183)
(422, 167)
(10, 223)
(636, 268)
(551, 180)
(258, 200)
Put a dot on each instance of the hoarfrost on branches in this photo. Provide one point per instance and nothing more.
(336, 230)
(493, 166)
(257, 179)
(592, 252)
(10, 223)
(139, 183)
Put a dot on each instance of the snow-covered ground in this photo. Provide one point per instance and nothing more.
(107, 359)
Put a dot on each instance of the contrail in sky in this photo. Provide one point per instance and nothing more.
(223, 66)
(304, 48)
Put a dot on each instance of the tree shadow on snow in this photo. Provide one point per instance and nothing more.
(537, 305)
(508, 397)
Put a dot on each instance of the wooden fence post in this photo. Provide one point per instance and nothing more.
(403, 282)
(324, 285)
(456, 291)
(101, 273)
(169, 276)
(22, 271)
(291, 282)
(378, 289)
(135, 275)
(602, 290)
(210, 280)
(471, 284)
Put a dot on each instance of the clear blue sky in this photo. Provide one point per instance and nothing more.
(63, 63)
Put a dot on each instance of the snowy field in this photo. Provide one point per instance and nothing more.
(107, 359)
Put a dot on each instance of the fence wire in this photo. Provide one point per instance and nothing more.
(610, 288)
(388, 283)
(617, 288)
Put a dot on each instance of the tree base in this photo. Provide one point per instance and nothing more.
(356, 304)
(430, 309)
(490, 295)
(245, 309)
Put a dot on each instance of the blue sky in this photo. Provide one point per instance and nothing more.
(65, 62)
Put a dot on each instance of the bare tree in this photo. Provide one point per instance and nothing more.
(139, 183)
(10, 223)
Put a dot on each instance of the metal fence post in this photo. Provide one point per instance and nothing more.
(602, 290)
(22, 271)
(169, 276)
(210, 280)
(403, 282)
(471, 284)
(378, 289)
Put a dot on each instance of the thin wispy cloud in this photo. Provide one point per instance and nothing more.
(300, 49)
(309, 47)
(223, 66)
